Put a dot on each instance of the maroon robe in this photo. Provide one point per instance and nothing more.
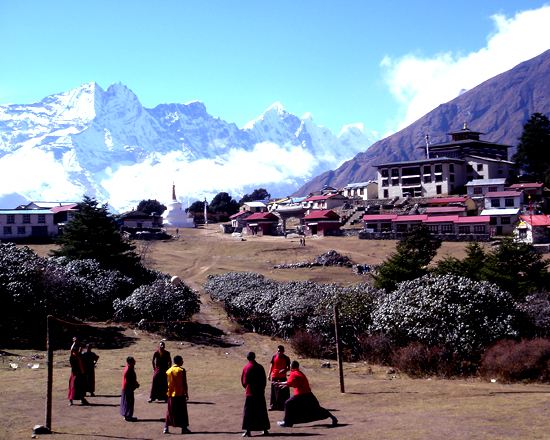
(77, 381)
(253, 379)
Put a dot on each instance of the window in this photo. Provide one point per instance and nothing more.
(508, 202)
(446, 229)
(479, 229)
(413, 171)
(21, 229)
(373, 226)
(384, 173)
(493, 189)
(401, 227)
(41, 218)
(386, 194)
(522, 233)
(452, 178)
(439, 177)
(493, 221)
(410, 180)
(26, 218)
(470, 169)
(452, 167)
(438, 189)
(480, 167)
(427, 179)
(495, 203)
(505, 220)
(478, 190)
(395, 182)
(385, 227)
(384, 182)
(464, 229)
(433, 229)
(427, 169)
(7, 230)
(439, 168)
(395, 172)
(452, 187)
(11, 218)
(500, 171)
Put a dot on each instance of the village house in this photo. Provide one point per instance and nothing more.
(480, 187)
(323, 202)
(475, 227)
(238, 220)
(261, 223)
(24, 224)
(140, 220)
(255, 206)
(448, 166)
(321, 222)
(363, 190)
(503, 209)
(533, 229)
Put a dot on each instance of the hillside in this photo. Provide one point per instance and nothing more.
(498, 107)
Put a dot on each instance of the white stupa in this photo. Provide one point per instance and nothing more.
(174, 216)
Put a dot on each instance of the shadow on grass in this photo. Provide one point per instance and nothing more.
(193, 332)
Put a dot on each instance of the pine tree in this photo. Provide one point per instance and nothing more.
(93, 233)
(533, 153)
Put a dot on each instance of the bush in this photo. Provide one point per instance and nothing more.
(160, 301)
(537, 311)
(375, 349)
(509, 361)
(309, 345)
(418, 360)
(447, 310)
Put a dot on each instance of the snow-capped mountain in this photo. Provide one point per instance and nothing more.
(105, 144)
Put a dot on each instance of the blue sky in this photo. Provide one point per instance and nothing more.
(383, 64)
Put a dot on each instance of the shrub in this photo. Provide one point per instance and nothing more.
(537, 311)
(511, 361)
(160, 301)
(456, 312)
(418, 360)
(309, 345)
(375, 349)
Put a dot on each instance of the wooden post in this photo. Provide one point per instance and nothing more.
(338, 349)
(49, 344)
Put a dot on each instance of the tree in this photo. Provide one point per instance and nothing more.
(533, 153)
(196, 207)
(471, 267)
(223, 203)
(93, 233)
(257, 194)
(415, 250)
(150, 206)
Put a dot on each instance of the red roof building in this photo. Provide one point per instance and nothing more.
(261, 223)
(320, 222)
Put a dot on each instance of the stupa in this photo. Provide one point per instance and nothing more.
(174, 216)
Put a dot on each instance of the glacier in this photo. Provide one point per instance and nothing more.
(105, 144)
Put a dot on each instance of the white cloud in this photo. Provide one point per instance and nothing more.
(204, 178)
(420, 83)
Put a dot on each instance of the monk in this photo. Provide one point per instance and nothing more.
(303, 406)
(178, 395)
(89, 361)
(253, 379)
(77, 381)
(280, 364)
(161, 362)
(129, 384)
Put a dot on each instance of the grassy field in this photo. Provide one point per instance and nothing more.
(376, 405)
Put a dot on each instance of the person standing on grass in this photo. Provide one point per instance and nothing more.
(303, 406)
(77, 381)
(253, 379)
(178, 395)
(280, 365)
(89, 361)
(129, 384)
(161, 362)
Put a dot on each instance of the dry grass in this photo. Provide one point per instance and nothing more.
(375, 406)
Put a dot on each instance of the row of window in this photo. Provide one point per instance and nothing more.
(414, 193)
(21, 230)
(495, 203)
(434, 229)
(10, 218)
(415, 171)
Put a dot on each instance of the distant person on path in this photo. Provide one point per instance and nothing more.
(89, 361)
(129, 384)
(177, 231)
(161, 362)
(77, 381)
(253, 379)
(303, 406)
(280, 365)
(304, 241)
(178, 395)
(300, 241)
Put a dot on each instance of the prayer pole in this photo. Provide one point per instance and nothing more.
(338, 350)
(49, 343)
